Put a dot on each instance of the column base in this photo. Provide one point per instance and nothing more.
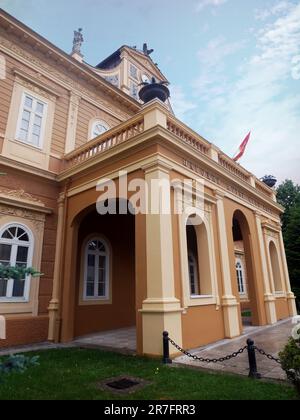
(53, 332)
(231, 316)
(159, 316)
(270, 308)
(291, 299)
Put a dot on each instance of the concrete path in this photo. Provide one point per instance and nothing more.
(122, 340)
(272, 339)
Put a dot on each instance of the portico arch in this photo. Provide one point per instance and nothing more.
(275, 267)
(118, 307)
(244, 249)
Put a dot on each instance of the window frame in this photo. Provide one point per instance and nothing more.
(25, 297)
(240, 274)
(96, 298)
(35, 99)
(196, 275)
(93, 126)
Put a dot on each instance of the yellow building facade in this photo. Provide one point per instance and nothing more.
(65, 126)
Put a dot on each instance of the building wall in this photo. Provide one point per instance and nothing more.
(32, 321)
(282, 309)
(73, 104)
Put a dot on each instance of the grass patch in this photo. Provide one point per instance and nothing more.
(73, 374)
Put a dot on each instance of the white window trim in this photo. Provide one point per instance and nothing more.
(25, 298)
(44, 119)
(94, 123)
(203, 300)
(241, 270)
(107, 271)
(137, 72)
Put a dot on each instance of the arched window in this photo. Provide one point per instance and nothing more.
(16, 246)
(96, 273)
(275, 267)
(98, 127)
(240, 277)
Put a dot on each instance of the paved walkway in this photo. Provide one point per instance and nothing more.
(272, 339)
(122, 340)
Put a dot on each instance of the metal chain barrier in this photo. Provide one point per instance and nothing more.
(250, 347)
(269, 356)
(203, 360)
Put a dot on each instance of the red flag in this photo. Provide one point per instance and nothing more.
(242, 148)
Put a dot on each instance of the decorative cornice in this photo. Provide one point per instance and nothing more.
(24, 213)
(24, 76)
(19, 198)
(38, 43)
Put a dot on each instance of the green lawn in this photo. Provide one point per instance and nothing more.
(74, 374)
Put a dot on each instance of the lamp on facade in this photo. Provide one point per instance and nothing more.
(269, 180)
(154, 90)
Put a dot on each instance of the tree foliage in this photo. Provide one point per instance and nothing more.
(288, 195)
(17, 273)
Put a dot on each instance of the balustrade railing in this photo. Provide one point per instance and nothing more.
(104, 142)
(136, 125)
(232, 167)
(187, 137)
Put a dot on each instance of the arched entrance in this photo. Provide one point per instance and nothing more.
(103, 275)
(244, 269)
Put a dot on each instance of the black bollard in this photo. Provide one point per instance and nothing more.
(252, 360)
(166, 350)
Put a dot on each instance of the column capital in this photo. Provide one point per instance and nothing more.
(157, 165)
(219, 195)
(61, 199)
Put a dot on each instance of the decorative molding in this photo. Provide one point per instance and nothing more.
(35, 217)
(215, 179)
(21, 195)
(21, 200)
(36, 85)
(272, 233)
(72, 122)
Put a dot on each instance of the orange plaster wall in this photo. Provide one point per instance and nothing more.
(282, 310)
(25, 330)
(202, 325)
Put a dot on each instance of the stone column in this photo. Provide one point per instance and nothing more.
(269, 298)
(69, 282)
(229, 302)
(290, 295)
(53, 334)
(161, 311)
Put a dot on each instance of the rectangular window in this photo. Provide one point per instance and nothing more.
(134, 90)
(133, 72)
(31, 121)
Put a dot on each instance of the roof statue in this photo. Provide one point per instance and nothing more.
(146, 51)
(77, 41)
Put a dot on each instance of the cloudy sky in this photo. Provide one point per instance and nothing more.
(234, 65)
